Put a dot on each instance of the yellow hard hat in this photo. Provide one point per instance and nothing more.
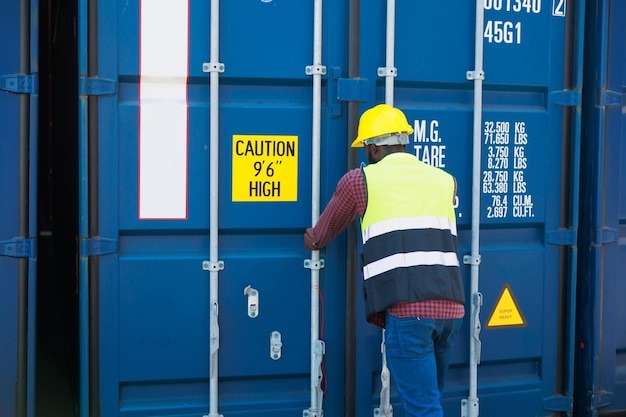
(381, 120)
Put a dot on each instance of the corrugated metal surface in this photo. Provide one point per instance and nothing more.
(154, 196)
(601, 323)
(9, 196)
(146, 201)
(18, 205)
(525, 181)
(154, 293)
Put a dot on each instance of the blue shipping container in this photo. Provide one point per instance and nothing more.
(527, 179)
(160, 118)
(210, 134)
(601, 321)
(154, 208)
(18, 202)
(9, 192)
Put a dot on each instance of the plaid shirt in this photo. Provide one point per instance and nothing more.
(350, 201)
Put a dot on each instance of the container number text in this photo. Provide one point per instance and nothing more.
(497, 31)
(517, 6)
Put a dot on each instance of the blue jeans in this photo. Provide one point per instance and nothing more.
(418, 355)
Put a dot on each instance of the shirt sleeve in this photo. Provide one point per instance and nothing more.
(348, 201)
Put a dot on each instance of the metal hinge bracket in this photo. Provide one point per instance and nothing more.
(558, 403)
(566, 98)
(19, 83)
(97, 245)
(564, 237)
(608, 98)
(18, 247)
(600, 399)
(605, 235)
(95, 86)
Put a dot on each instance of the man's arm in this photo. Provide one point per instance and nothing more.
(348, 201)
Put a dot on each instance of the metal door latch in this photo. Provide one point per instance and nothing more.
(276, 345)
(253, 301)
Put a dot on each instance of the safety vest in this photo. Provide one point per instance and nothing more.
(409, 234)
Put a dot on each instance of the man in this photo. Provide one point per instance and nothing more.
(412, 281)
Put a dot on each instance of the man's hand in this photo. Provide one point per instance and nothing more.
(309, 239)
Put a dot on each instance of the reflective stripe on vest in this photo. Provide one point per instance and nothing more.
(404, 260)
(404, 223)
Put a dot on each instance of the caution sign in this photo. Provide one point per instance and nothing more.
(506, 313)
(265, 168)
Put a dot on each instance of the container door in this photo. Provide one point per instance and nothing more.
(601, 326)
(9, 209)
(154, 199)
(524, 185)
(18, 164)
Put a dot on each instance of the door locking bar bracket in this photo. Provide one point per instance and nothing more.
(471, 260)
(315, 69)
(387, 72)
(212, 266)
(311, 264)
(213, 67)
(475, 75)
(469, 407)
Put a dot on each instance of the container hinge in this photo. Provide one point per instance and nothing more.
(608, 98)
(605, 235)
(566, 98)
(97, 245)
(564, 237)
(18, 247)
(600, 399)
(95, 86)
(19, 83)
(558, 403)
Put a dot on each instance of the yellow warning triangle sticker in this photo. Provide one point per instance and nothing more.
(506, 312)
